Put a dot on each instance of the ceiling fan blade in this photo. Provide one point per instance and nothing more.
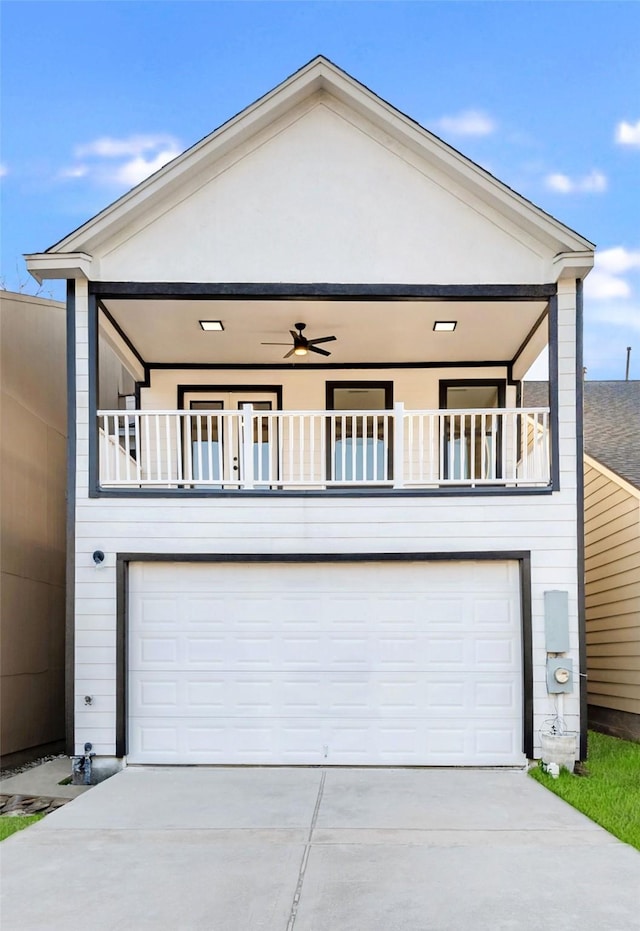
(323, 339)
(295, 335)
(290, 353)
(322, 352)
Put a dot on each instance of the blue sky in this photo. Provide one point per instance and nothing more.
(546, 95)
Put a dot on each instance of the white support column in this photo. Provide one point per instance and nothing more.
(398, 445)
(247, 446)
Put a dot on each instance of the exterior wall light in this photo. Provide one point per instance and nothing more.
(215, 325)
(445, 326)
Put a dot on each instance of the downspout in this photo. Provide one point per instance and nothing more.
(582, 632)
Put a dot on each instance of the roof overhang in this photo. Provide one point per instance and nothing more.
(573, 264)
(44, 265)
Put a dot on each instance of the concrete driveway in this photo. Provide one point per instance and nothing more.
(347, 849)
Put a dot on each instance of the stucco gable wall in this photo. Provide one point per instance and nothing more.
(322, 195)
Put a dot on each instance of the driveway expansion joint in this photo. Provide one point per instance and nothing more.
(305, 855)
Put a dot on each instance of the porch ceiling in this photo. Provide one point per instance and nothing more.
(168, 331)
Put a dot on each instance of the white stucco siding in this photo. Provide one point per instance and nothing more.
(544, 525)
(323, 195)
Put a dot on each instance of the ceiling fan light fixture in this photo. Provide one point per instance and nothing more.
(302, 345)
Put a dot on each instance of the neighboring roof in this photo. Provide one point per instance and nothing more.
(322, 74)
(611, 423)
(535, 393)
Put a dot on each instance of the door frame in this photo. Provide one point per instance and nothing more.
(523, 557)
(184, 390)
(228, 389)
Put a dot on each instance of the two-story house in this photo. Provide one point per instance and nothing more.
(312, 522)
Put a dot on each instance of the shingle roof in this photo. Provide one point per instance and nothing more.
(611, 423)
(535, 393)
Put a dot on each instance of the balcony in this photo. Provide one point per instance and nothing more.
(248, 449)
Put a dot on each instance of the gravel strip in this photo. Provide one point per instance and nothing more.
(7, 773)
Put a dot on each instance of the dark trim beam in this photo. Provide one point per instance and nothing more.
(582, 624)
(369, 491)
(532, 332)
(94, 381)
(323, 291)
(296, 366)
(122, 653)
(553, 393)
(124, 559)
(123, 336)
(527, 655)
(70, 571)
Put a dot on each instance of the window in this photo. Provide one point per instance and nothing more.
(472, 437)
(360, 437)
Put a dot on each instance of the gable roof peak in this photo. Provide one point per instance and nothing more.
(317, 75)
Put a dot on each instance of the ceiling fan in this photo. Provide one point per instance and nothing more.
(302, 345)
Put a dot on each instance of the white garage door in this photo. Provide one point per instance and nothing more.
(410, 663)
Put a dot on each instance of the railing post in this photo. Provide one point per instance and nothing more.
(247, 446)
(398, 445)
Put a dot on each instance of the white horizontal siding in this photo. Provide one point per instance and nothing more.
(363, 525)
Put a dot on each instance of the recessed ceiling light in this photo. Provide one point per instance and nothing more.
(211, 325)
(445, 326)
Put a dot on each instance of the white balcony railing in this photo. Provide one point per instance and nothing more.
(249, 449)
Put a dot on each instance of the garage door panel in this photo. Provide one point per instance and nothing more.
(496, 741)
(326, 695)
(395, 664)
(470, 650)
(309, 741)
(492, 613)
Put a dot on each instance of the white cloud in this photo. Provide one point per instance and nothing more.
(122, 162)
(618, 259)
(468, 123)
(560, 183)
(628, 133)
(108, 147)
(139, 168)
(75, 171)
(593, 183)
(606, 281)
(601, 286)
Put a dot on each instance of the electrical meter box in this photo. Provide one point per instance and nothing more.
(556, 621)
(559, 675)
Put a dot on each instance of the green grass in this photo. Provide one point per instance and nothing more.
(10, 824)
(610, 792)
